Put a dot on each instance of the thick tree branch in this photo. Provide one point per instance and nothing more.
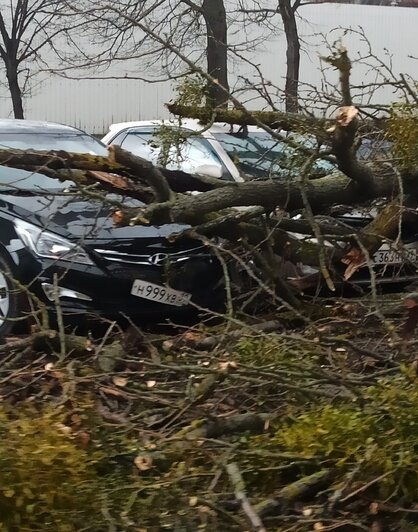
(273, 119)
(145, 170)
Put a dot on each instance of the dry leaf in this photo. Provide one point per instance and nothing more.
(193, 501)
(226, 366)
(65, 429)
(205, 510)
(88, 346)
(324, 329)
(318, 526)
(117, 217)
(376, 527)
(143, 463)
(374, 508)
(111, 391)
(167, 345)
(355, 260)
(120, 381)
(83, 438)
(75, 419)
(192, 337)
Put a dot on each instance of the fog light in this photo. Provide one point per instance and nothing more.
(52, 292)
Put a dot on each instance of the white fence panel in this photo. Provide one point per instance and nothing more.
(94, 104)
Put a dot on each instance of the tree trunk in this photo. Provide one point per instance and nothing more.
(292, 55)
(14, 88)
(216, 51)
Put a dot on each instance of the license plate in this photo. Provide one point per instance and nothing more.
(160, 294)
(391, 256)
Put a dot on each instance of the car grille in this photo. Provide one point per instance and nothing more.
(153, 259)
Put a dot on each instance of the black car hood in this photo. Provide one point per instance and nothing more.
(76, 217)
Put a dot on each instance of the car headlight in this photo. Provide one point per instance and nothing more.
(49, 245)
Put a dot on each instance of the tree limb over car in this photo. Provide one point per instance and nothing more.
(163, 191)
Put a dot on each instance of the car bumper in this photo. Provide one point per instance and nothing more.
(107, 292)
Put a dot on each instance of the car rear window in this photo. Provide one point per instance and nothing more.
(75, 143)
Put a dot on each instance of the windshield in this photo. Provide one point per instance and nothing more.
(70, 142)
(258, 154)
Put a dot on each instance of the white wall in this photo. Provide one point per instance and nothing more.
(94, 104)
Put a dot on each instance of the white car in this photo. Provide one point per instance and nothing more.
(222, 151)
(233, 154)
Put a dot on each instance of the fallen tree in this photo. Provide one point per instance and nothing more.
(267, 227)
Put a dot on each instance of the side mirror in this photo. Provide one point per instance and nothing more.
(211, 170)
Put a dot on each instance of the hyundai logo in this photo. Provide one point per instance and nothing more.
(157, 259)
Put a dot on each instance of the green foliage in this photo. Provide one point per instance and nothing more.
(192, 90)
(46, 476)
(402, 130)
(170, 140)
(51, 480)
(271, 350)
(376, 434)
(58, 478)
(257, 350)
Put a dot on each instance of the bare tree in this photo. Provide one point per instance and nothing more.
(28, 28)
(288, 15)
(286, 9)
(216, 50)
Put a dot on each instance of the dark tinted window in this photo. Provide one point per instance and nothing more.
(257, 154)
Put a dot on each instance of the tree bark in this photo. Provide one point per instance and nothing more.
(292, 55)
(216, 50)
(273, 119)
(321, 193)
(14, 88)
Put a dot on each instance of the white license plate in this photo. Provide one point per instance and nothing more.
(391, 256)
(160, 294)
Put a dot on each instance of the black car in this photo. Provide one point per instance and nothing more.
(58, 246)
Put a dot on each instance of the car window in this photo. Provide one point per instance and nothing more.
(257, 154)
(75, 143)
(13, 179)
(187, 155)
(371, 148)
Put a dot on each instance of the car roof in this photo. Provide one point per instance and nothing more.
(12, 125)
(186, 123)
